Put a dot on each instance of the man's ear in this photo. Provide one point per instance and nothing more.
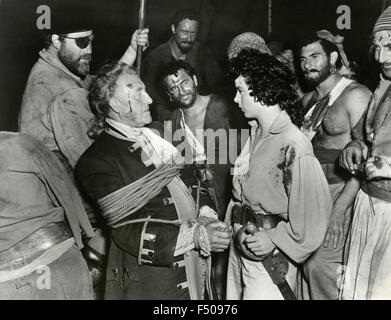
(333, 57)
(173, 29)
(195, 80)
(56, 41)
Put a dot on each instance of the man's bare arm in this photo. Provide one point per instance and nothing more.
(356, 101)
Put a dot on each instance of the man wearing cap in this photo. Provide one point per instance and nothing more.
(183, 45)
(246, 40)
(335, 106)
(55, 107)
(367, 270)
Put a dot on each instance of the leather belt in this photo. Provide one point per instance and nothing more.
(276, 265)
(32, 247)
(244, 214)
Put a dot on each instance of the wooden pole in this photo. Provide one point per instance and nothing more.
(269, 27)
(141, 20)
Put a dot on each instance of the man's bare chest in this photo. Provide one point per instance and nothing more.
(336, 121)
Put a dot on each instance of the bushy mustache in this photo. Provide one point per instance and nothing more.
(311, 70)
(85, 57)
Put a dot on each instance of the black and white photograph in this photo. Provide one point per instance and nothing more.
(216, 151)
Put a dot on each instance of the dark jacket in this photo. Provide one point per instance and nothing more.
(108, 165)
(217, 119)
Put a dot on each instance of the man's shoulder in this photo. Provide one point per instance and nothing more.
(356, 89)
(20, 150)
(220, 105)
(101, 153)
(159, 52)
(355, 97)
(44, 75)
(218, 112)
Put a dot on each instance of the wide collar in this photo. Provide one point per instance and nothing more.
(281, 123)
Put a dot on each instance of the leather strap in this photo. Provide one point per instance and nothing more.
(32, 247)
(277, 267)
(244, 214)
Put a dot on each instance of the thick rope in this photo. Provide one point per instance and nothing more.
(121, 203)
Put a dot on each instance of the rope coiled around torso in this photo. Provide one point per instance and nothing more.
(121, 203)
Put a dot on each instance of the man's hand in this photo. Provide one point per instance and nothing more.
(378, 167)
(338, 227)
(219, 235)
(139, 37)
(259, 243)
(353, 155)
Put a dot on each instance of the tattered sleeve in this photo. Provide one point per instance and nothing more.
(309, 207)
(70, 118)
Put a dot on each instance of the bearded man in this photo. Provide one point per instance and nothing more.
(55, 107)
(183, 45)
(204, 123)
(335, 106)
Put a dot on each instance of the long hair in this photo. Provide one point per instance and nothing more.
(101, 92)
(268, 79)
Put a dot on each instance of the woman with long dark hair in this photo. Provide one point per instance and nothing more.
(281, 201)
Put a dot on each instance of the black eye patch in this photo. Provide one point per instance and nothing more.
(82, 42)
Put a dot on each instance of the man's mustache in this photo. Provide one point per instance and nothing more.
(311, 70)
(85, 57)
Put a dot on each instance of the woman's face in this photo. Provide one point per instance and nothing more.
(130, 101)
(246, 102)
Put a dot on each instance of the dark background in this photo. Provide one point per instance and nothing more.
(115, 20)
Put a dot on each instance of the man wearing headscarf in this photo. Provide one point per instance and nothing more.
(335, 106)
(367, 271)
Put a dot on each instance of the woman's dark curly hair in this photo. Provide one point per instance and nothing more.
(102, 90)
(269, 80)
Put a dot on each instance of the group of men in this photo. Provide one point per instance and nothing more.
(47, 216)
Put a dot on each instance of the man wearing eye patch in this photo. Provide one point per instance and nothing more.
(55, 108)
(368, 263)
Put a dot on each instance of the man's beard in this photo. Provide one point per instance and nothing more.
(189, 103)
(184, 46)
(73, 64)
(324, 73)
